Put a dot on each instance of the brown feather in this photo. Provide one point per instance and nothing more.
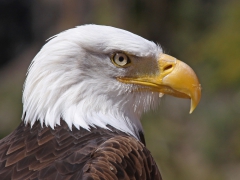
(44, 153)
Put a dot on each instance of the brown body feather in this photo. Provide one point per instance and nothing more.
(44, 153)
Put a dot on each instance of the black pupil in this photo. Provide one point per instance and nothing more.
(121, 59)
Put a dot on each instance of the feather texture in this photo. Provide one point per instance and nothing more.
(73, 78)
(44, 153)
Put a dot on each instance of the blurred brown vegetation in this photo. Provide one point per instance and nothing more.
(203, 33)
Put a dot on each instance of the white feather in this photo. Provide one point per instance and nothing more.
(72, 78)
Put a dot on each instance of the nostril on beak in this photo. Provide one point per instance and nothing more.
(167, 67)
(167, 63)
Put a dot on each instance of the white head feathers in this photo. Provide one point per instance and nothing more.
(72, 78)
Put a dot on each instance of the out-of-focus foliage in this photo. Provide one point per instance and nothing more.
(218, 51)
(205, 34)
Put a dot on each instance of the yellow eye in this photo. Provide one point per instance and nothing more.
(121, 59)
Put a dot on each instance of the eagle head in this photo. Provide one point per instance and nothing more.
(95, 76)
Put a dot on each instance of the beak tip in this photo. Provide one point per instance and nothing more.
(194, 102)
(191, 109)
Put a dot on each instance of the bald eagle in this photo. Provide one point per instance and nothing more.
(83, 97)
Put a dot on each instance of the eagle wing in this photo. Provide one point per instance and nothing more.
(121, 157)
(44, 153)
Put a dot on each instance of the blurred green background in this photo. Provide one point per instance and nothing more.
(203, 33)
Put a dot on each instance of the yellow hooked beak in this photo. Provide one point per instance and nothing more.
(175, 78)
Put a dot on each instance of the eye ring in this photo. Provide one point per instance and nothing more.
(120, 59)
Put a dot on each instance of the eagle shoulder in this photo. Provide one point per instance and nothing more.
(43, 153)
(121, 157)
